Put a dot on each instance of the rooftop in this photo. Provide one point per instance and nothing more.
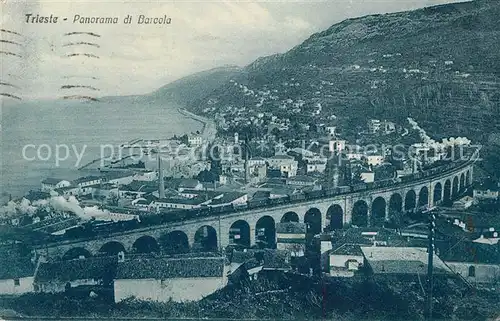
(52, 180)
(227, 197)
(77, 269)
(167, 267)
(401, 260)
(14, 268)
(86, 179)
(347, 249)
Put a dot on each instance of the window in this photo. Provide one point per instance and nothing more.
(17, 282)
(472, 271)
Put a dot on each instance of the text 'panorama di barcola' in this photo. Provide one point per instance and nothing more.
(78, 19)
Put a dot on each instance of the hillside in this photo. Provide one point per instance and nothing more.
(188, 89)
(439, 65)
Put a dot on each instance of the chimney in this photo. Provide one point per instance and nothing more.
(161, 187)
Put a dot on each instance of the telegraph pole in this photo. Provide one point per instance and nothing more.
(430, 267)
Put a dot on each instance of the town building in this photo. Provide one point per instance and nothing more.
(316, 166)
(488, 191)
(367, 176)
(229, 198)
(463, 203)
(286, 164)
(302, 180)
(16, 276)
(374, 125)
(179, 203)
(336, 145)
(195, 140)
(291, 237)
(119, 178)
(374, 159)
(345, 260)
(62, 276)
(87, 181)
(50, 184)
(162, 279)
(478, 264)
(401, 261)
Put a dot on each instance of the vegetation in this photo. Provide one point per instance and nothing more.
(286, 297)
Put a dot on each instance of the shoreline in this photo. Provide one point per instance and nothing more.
(207, 123)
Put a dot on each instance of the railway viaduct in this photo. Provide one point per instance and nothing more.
(364, 208)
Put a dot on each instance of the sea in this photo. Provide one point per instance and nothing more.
(41, 139)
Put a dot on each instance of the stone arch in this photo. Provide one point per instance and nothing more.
(290, 217)
(395, 204)
(447, 192)
(112, 248)
(360, 213)
(174, 242)
(423, 197)
(437, 194)
(378, 211)
(239, 233)
(76, 252)
(146, 244)
(335, 216)
(313, 221)
(205, 239)
(462, 182)
(265, 232)
(468, 178)
(454, 188)
(410, 200)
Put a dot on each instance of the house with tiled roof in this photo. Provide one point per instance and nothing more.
(162, 279)
(16, 275)
(61, 276)
(412, 261)
(487, 191)
(345, 260)
(478, 263)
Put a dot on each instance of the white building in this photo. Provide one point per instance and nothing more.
(319, 167)
(374, 125)
(374, 160)
(345, 260)
(87, 181)
(401, 260)
(331, 130)
(486, 192)
(286, 164)
(120, 178)
(16, 276)
(337, 145)
(179, 279)
(50, 184)
(368, 177)
(195, 140)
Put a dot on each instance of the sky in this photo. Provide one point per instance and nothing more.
(138, 58)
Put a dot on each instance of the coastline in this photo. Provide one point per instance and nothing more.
(208, 131)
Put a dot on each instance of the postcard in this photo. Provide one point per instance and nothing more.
(240, 160)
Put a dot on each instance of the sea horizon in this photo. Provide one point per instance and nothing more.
(85, 127)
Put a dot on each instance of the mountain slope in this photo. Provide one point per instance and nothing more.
(195, 86)
(440, 65)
